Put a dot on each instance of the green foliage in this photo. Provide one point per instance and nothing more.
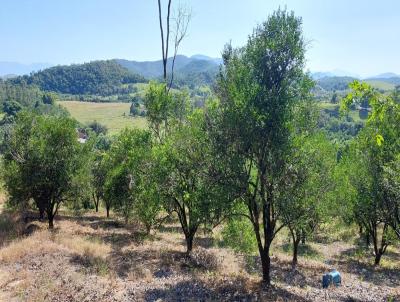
(98, 77)
(127, 160)
(98, 128)
(164, 109)
(238, 234)
(259, 88)
(11, 108)
(48, 99)
(42, 161)
(371, 156)
(192, 185)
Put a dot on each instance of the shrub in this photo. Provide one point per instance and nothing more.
(238, 235)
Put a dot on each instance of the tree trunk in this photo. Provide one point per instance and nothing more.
(148, 229)
(41, 214)
(266, 265)
(96, 201)
(51, 221)
(189, 242)
(378, 257)
(367, 239)
(303, 237)
(296, 243)
(108, 211)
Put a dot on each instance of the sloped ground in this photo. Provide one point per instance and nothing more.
(90, 258)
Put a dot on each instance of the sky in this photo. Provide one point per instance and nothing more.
(362, 37)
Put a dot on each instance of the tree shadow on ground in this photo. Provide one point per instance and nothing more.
(223, 290)
(139, 262)
(303, 275)
(355, 261)
(304, 250)
(169, 229)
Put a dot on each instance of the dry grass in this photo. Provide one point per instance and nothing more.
(38, 243)
(90, 258)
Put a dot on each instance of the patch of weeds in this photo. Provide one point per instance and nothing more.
(336, 231)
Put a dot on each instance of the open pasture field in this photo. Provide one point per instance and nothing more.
(114, 115)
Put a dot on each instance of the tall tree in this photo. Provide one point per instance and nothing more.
(258, 89)
(179, 30)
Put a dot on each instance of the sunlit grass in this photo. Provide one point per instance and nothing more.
(113, 115)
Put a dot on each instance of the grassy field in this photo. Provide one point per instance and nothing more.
(114, 115)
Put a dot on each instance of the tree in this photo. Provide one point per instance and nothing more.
(98, 128)
(181, 23)
(42, 160)
(98, 176)
(193, 184)
(165, 109)
(258, 88)
(48, 99)
(11, 108)
(306, 197)
(335, 98)
(134, 108)
(373, 154)
(126, 161)
(391, 185)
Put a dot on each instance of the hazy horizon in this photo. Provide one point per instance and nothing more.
(340, 34)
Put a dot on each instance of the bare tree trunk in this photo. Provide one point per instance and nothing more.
(108, 211)
(164, 44)
(189, 242)
(296, 241)
(50, 218)
(266, 264)
(303, 237)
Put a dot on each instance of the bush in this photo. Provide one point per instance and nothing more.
(238, 234)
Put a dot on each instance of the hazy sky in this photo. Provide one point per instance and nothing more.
(359, 36)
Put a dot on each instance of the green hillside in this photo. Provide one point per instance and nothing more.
(98, 77)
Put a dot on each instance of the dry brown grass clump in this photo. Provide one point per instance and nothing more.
(39, 243)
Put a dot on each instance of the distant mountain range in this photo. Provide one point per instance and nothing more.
(10, 69)
(98, 77)
(183, 65)
(341, 73)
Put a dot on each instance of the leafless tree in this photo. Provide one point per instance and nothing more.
(181, 20)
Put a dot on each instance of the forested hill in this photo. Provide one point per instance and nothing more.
(97, 77)
(191, 71)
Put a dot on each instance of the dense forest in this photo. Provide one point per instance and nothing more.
(98, 77)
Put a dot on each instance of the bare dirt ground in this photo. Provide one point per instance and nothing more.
(91, 258)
